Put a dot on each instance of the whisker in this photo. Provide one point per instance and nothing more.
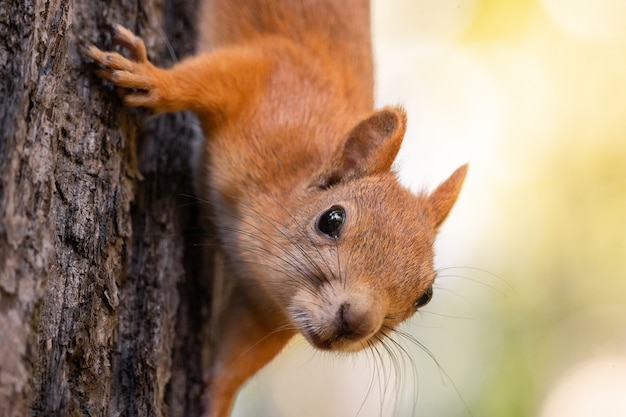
(303, 235)
(482, 271)
(370, 387)
(450, 316)
(284, 328)
(168, 45)
(403, 353)
(287, 257)
(321, 276)
(396, 367)
(451, 291)
(443, 372)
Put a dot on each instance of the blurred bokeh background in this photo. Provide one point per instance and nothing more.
(529, 314)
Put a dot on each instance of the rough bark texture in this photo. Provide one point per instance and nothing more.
(102, 311)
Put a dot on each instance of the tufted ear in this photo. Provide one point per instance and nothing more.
(369, 148)
(443, 198)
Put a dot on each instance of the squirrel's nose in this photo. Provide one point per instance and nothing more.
(352, 322)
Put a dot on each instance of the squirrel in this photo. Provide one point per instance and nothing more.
(318, 235)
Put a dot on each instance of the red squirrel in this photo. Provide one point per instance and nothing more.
(318, 235)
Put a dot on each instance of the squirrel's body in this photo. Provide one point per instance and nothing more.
(316, 64)
(318, 235)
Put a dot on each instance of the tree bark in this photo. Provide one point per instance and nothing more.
(103, 310)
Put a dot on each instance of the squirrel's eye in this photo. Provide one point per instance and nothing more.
(330, 221)
(425, 298)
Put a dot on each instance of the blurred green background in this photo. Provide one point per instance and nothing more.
(529, 314)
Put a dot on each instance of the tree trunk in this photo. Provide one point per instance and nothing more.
(102, 309)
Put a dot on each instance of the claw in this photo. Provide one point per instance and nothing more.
(93, 52)
(105, 74)
(147, 99)
(111, 60)
(127, 39)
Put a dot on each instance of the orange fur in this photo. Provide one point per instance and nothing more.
(319, 236)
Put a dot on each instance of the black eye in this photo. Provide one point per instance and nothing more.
(330, 221)
(425, 298)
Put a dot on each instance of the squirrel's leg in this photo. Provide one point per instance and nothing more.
(214, 85)
(246, 341)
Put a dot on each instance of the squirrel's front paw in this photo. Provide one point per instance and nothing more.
(137, 76)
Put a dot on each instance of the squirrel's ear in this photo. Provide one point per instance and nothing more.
(369, 148)
(443, 198)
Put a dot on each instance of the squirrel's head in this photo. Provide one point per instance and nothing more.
(356, 257)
